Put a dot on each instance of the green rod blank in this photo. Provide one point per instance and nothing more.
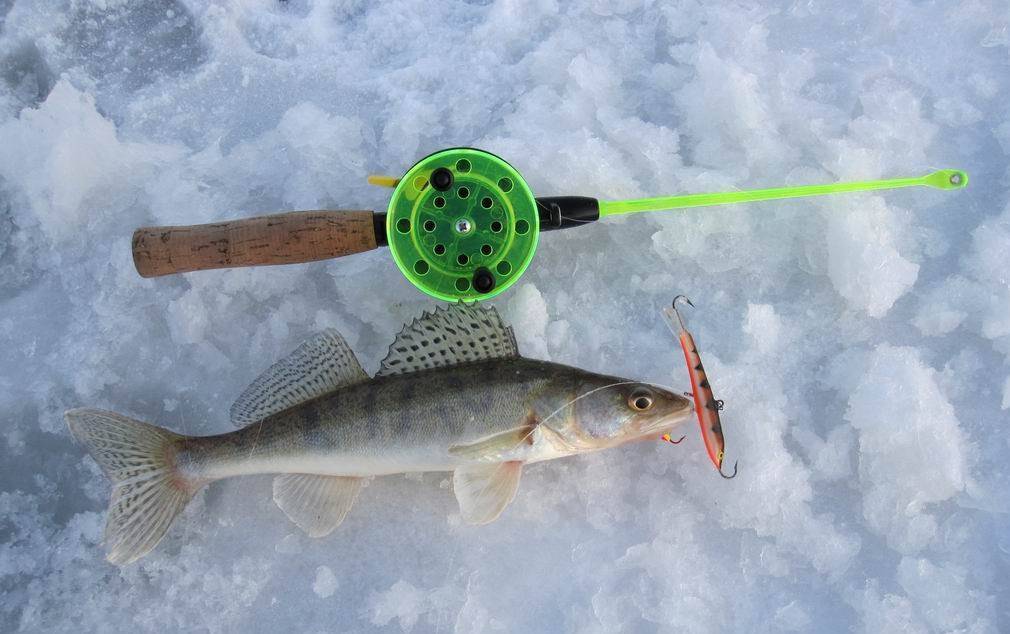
(941, 179)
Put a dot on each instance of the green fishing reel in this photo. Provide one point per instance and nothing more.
(462, 225)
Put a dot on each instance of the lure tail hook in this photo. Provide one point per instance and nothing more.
(729, 477)
(670, 440)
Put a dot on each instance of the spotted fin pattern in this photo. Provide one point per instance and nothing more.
(148, 492)
(318, 366)
(457, 334)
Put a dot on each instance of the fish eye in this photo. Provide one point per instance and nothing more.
(640, 401)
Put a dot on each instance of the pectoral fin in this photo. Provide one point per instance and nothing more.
(497, 447)
(484, 490)
(316, 503)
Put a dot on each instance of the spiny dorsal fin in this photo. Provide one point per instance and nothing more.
(318, 366)
(448, 336)
(316, 503)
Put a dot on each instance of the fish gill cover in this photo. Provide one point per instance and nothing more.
(861, 343)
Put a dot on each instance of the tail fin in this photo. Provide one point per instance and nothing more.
(148, 491)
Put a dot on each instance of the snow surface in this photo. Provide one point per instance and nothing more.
(861, 343)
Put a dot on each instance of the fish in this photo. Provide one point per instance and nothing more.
(452, 394)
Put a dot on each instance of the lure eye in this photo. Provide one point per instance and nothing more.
(640, 401)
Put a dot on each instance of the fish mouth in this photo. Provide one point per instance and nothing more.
(669, 421)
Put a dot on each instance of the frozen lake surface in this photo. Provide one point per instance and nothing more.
(861, 343)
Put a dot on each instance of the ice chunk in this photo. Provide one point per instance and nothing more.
(325, 584)
(290, 545)
(70, 162)
(935, 320)
(911, 447)
(188, 318)
(957, 112)
(990, 243)
(943, 598)
(527, 311)
(764, 327)
(403, 602)
(792, 617)
(887, 613)
(864, 264)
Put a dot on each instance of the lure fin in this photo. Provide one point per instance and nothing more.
(148, 490)
(320, 365)
(457, 334)
(317, 504)
(484, 490)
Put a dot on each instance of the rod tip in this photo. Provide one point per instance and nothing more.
(948, 179)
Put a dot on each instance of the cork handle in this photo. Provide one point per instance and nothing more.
(286, 238)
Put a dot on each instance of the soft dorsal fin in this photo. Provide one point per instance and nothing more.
(457, 334)
(320, 365)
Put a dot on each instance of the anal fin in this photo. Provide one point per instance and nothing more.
(484, 490)
(317, 504)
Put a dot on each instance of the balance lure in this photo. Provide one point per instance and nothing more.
(706, 405)
(452, 394)
(461, 224)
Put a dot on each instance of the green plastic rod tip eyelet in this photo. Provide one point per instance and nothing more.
(475, 229)
(947, 179)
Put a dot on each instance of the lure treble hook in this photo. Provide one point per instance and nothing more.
(729, 477)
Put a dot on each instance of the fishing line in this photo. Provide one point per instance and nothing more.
(485, 490)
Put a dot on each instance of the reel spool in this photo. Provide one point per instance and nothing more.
(462, 224)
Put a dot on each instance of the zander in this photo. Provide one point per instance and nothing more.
(452, 394)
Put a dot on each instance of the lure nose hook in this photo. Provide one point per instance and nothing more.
(729, 477)
(677, 312)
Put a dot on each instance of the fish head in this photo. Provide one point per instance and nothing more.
(615, 412)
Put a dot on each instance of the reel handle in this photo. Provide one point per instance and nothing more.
(284, 238)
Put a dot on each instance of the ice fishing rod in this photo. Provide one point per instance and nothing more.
(462, 224)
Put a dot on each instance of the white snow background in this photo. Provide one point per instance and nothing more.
(861, 343)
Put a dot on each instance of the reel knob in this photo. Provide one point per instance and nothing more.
(441, 179)
(483, 280)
